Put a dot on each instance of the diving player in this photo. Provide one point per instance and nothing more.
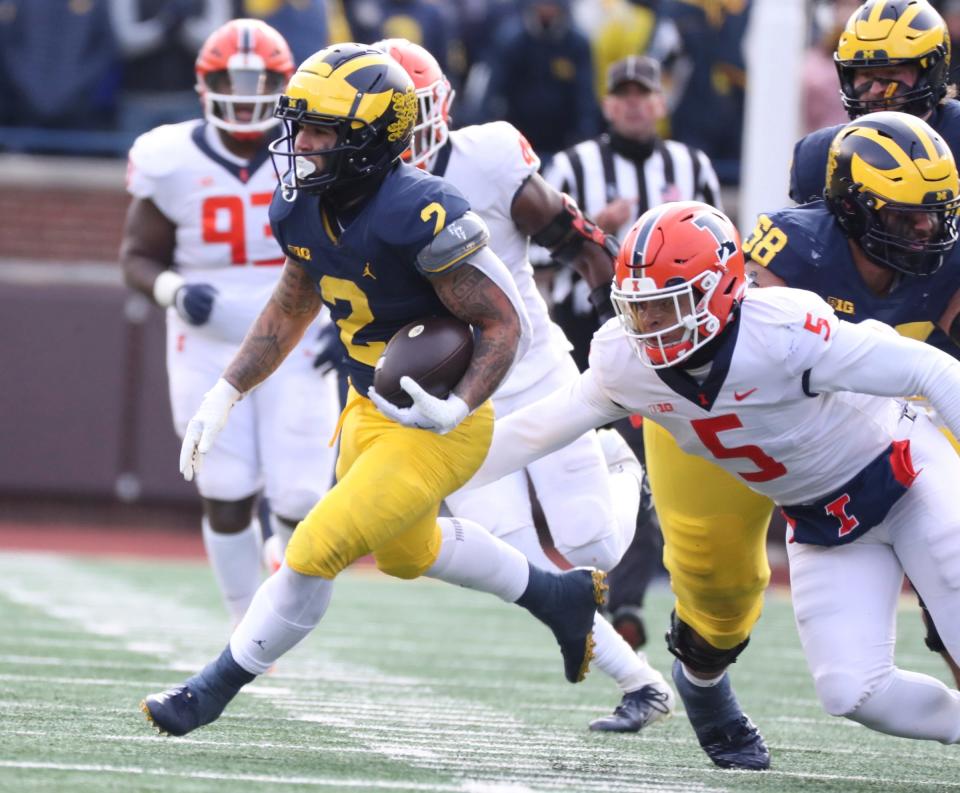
(771, 386)
(380, 243)
(591, 514)
(197, 241)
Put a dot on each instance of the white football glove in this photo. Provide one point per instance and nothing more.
(427, 412)
(205, 426)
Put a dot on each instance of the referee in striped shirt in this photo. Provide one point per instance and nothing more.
(615, 178)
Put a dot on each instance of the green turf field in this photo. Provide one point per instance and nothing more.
(406, 686)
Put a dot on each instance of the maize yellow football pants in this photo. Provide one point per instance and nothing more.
(714, 540)
(390, 482)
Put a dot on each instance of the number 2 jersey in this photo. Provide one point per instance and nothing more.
(805, 247)
(367, 271)
(219, 206)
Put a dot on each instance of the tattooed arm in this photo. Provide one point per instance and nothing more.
(292, 307)
(473, 296)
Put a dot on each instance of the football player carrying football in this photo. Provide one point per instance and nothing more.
(381, 243)
(197, 241)
(495, 168)
(772, 387)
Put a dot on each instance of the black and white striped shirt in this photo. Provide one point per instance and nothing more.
(595, 172)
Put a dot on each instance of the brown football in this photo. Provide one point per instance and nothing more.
(434, 351)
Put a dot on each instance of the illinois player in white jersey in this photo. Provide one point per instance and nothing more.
(197, 240)
(495, 168)
(800, 406)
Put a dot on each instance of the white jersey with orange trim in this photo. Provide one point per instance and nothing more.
(794, 403)
(276, 439)
(489, 163)
(219, 205)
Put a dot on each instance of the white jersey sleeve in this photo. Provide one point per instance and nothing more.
(507, 157)
(153, 157)
(544, 426)
(872, 358)
(798, 327)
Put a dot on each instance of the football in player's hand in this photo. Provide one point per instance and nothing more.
(434, 351)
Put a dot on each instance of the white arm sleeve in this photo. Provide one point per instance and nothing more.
(871, 358)
(545, 426)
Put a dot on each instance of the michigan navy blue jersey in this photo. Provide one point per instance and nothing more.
(808, 171)
(806, 247)
(367, 272)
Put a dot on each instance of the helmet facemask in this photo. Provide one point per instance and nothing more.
(919, 99)
(667, 325)
(241, 100)
(896, 237)
(432, 129)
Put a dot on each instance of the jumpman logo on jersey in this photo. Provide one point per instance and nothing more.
(367, 272)
(261, 643)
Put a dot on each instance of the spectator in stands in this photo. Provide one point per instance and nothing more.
(625, 28)
(57, 64)
(429, 23)
(701, 46)
(303, 23)
(541, 78)
(159, 40)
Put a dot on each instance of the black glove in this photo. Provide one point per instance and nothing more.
(601, 302)
(194, 302)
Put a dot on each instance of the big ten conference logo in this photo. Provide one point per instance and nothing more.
(661, 407)
(300, 252)
(841, 305)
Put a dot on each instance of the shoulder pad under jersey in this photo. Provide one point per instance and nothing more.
(454, 244)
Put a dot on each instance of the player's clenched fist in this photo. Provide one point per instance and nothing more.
(205, 426)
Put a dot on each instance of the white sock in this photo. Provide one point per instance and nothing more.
(285, 609)
(472, 557)
(912, 706)
(614, 657)
(235, 559)
(625, 488)
(526, 541)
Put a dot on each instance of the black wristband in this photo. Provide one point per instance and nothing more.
(601, 302)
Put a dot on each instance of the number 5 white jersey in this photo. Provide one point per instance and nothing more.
(763, 410)
(785, 405)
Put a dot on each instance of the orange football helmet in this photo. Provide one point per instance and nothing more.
(434, 95)
(678, 279)
(241, 70)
